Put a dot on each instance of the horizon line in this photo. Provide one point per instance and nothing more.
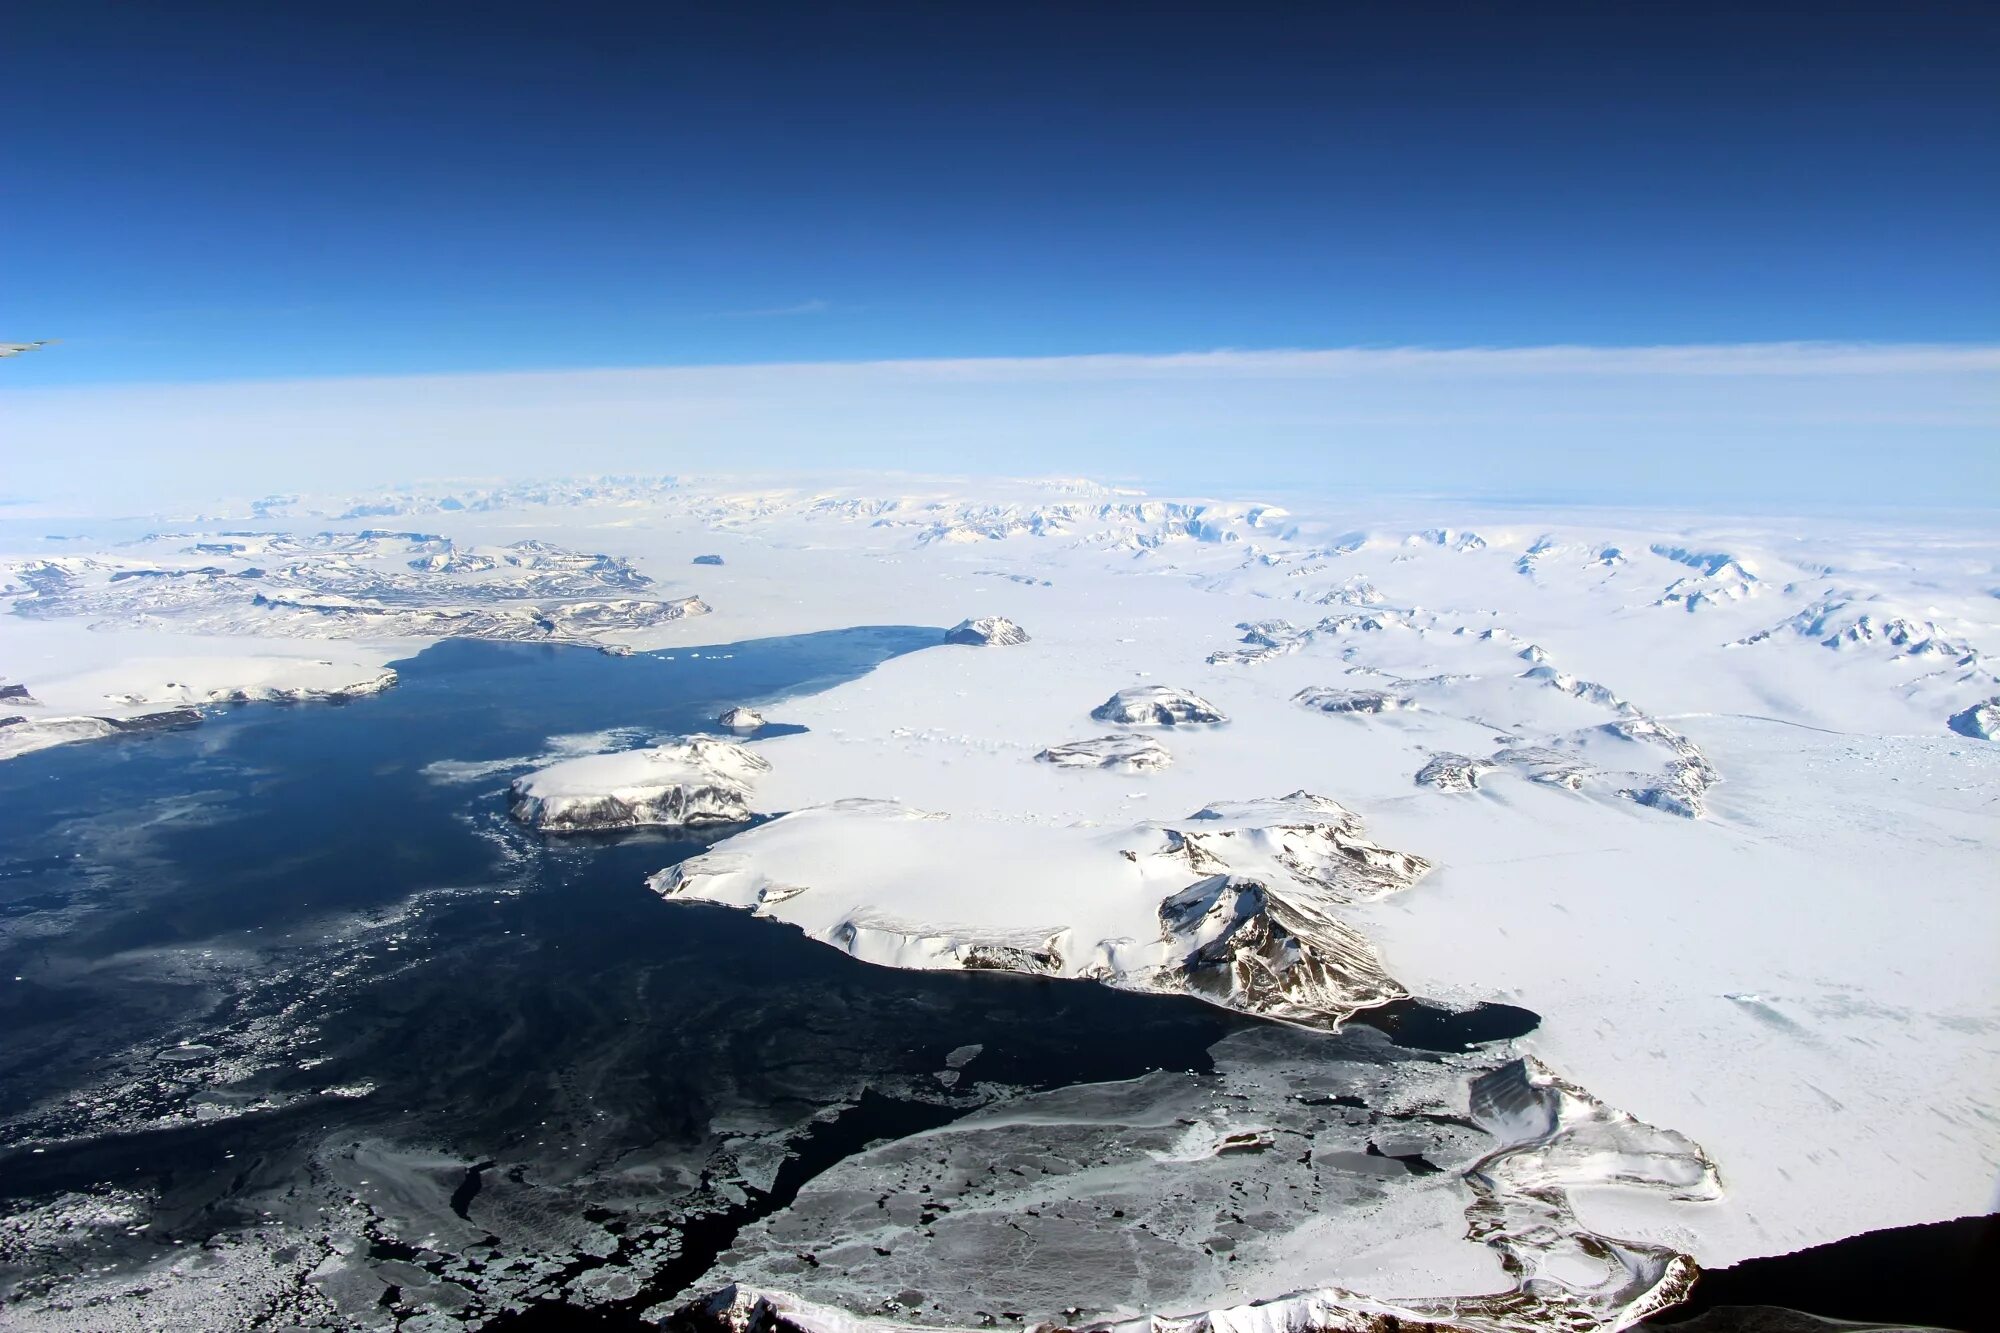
(1795, 357)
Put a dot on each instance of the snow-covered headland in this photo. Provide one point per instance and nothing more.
(1237, 903)
(102, 697)
(1712, 797)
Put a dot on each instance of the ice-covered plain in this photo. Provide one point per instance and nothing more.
(1713, 798)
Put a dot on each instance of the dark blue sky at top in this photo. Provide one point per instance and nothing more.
(205, 191)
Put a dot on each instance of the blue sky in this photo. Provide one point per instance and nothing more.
(227, 192)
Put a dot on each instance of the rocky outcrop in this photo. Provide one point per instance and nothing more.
(740, 718)
(166, 719)
(1589, 691)
(986, 632)
(688, 783)
(1157, 706)
(1260, 932)
(21, 735)
(1313, 840)
(1453, 772)
(1126, 753)
(1544, 764)
(1981, 721)
(1265, 640)
(1355, 591)
(1326, 699)
(302, 693)
(1679, 788)
(1262, 952)
(708, 560)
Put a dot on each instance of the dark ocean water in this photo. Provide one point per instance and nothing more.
(279, 967)
(1936, 1276)
(245, 914)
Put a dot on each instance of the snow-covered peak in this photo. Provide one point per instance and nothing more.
(1712, 564)
(1450, 539)
(986, 631)
(1843, 623)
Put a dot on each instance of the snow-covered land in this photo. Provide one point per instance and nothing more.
(685, 783)
(1238, 902)
(99, 685)
(1712, 796)
(149, 632)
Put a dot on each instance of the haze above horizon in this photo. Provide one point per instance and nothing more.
(220, 196)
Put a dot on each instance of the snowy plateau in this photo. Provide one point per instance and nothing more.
(1715, 798)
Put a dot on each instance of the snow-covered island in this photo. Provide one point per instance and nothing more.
(696, 781)
(740, 718)
(986, 632)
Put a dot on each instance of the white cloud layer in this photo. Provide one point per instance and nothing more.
(1753, 424)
